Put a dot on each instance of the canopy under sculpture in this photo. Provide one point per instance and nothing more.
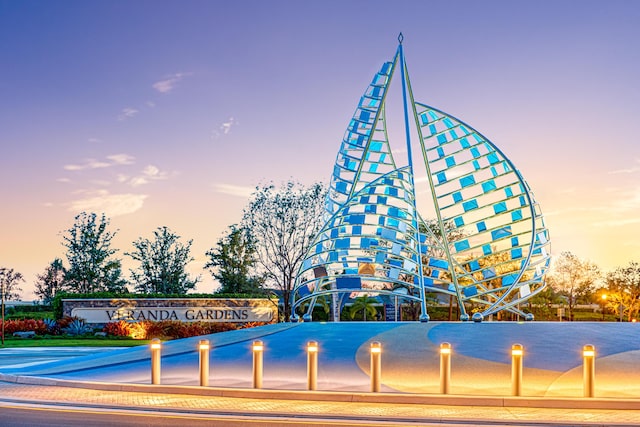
(487, 246)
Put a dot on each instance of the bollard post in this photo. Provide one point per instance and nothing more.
(589, 370)
(258, 348)
(156, 347)
(203, 348)
(445, 367)
(517, 353)
(376, 369)
(312, 365)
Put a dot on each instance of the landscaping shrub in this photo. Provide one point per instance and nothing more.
(171, 329)
(24, 325)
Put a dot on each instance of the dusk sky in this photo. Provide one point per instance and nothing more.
(170, 112)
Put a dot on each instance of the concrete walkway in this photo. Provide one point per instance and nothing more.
(327, 407)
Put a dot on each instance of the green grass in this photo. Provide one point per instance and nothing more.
(72, 342)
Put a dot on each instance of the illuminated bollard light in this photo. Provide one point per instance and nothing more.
(258, 348)
(445, 367)
(203, 349)
(589, 370)
(517, 353)
(312, 365)
(376, 369)
(156, 347)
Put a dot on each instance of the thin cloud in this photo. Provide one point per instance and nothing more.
(149, 173)
(630, 170)
(234, 190)
(225, 128)
(111, 160)
(127, 113)
(112, 204)
(168, 84)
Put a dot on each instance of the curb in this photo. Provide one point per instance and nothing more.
(336, 396)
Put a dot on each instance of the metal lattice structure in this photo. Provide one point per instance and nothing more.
(488, 244)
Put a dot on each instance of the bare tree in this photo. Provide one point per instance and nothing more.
(573, 278)
(9, 283)
(284, 222)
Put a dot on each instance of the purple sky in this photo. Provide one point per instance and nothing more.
(170, 112)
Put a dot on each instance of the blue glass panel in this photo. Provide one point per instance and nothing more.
(509, 280)
(396, 248)
(489, 273)
(381, 257)
(388, 234)
(383, 156)
(462, 245)
(493, 158)
(476, 165)
(450, 161)
(392, 222)
(424, 118)
(442, 177)
(356, 219)
(381, 220)
(348, 282)
(365, 243)
(343, 243)
(447, 122)
(470, 205)
(523, 201)
(475, 152)
(474, 265)
(364, 200)
(356, 230)
(334, 233)
(365, 116)
(486, 249)
(341, 187)
(394, 273)
(440, 152)
(516, 253)
(442, 138)
(505, 167)
(333, 256)
(451, 288)
(494, 172)
(481, 226)
(501, 233)
(499, 207)
(438, 263)
(427, 281)
(466, 181)
(373, 167)
(303, 290)
(370, 209)
(382, 200)
(514, 241)
(375, 146)
(435, 273)
(488, 186)
(319, 248)
(508, 191)
(457, 197)
(458, 221)
(477, 137)
(433, 115)
(470, 291)
(432, 129)
(516, 215)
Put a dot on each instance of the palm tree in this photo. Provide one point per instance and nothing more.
(364, 303)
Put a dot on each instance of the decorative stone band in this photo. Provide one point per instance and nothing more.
(136, 310)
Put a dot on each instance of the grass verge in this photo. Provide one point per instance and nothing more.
(71, 342)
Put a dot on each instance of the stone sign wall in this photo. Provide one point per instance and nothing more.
(183, 309)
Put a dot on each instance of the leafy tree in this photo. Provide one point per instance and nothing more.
(233, 261)
(573, 278)
(91, 266)
(9, 283)
(162, 264)
(624, 289)
(283, 221)
(363, 303)
(51, 282)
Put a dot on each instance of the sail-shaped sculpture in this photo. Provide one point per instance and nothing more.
(487, 246)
